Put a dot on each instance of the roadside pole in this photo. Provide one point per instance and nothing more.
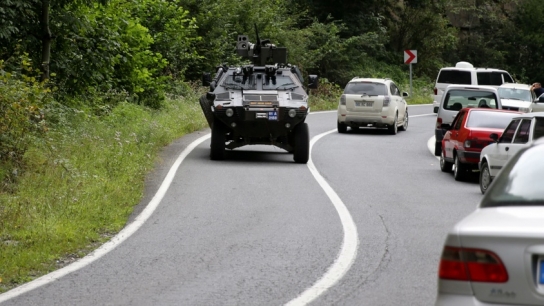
(410, 57)
(410, 79)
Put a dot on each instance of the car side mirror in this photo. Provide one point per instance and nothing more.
(405, 94)
(494, 137)
(206, 79)
(210, 96)
(541, 98)
(313, 81)
(446, 126)
(435, 110)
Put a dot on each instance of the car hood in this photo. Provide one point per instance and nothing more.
(515, 103)
(511, 221)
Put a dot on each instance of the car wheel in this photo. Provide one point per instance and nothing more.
(206, 106)
(460, 170)
(404, 126)
(394, 128)
(445, 166)
(485, 178)
(341, 127)
(217, 151)
(301, 135)
(437, 148)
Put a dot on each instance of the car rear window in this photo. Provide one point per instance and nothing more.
(489, 119)
(457, 99)
(454, 77)
(365, 88)
(489, 78)
(520, 182)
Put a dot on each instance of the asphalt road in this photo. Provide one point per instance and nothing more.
(257, 229)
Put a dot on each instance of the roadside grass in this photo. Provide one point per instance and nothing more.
(82, 183)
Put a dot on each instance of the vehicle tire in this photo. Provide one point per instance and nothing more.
(437, 148)
(217, 147)
(485, 177)
(445, 165)
(460, 170)
(206, 106)
(394, 128)
(404, 126)
(301, 135)
(341, 127)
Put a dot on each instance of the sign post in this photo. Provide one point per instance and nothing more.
(410, 57)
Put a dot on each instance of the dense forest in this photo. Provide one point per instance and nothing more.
(92, 54)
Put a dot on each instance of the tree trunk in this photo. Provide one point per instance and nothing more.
(46, 39)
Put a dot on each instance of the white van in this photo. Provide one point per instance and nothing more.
(464, 73)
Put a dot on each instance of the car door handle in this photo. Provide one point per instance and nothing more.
(507, 148)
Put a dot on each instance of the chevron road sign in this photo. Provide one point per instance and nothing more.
(410, 56)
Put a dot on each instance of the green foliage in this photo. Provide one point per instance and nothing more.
(22, 98)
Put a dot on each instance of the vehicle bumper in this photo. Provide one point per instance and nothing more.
(381, 119)
(458, 299)
(469, 157)
(260, 122)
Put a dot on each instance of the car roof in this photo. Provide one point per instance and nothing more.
(530, 115)
(471, 87)
(515, 85)
(479, 109)
(378, 80)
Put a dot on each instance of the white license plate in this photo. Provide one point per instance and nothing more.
(364, 103)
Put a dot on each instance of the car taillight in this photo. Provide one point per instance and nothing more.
(475, 143)
(386, 101)
(343, 100)
(435, 91)
(438, 123)
(471, 265)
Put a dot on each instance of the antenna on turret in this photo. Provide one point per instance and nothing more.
(257, 48)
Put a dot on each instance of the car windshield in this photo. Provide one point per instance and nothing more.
(238, 82)
(490, 119)
(457, 99)
(520, 182)
(280, 82)
(515, 94)
(365, 88)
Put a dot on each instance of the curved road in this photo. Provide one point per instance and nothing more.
(257, 229)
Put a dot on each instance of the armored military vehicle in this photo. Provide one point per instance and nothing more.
(263, 102)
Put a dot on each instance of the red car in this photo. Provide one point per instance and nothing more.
(468, 135)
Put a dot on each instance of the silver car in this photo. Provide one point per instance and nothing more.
(495, 256)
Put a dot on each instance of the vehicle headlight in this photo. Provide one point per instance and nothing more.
(229, 112)
(524, 109)
(292, 113)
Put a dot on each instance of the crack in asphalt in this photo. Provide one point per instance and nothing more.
(384, 262)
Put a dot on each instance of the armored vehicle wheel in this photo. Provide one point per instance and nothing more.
(217, 151)
(207, 109)
(301, 137)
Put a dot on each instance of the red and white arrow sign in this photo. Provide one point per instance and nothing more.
(410, 56)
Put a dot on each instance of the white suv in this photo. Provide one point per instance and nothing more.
(372, 102)
(464, 73)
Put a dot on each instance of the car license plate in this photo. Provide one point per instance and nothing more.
(541, 271)
(273, 115)
(364, 103)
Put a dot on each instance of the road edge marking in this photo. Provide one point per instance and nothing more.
(125, 233)
(348, 251)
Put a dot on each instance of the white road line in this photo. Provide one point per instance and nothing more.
(350, 243)
(117, 239)
(430, 145)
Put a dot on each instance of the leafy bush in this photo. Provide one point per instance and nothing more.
(22, 98)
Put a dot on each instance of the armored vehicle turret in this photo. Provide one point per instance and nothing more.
(262, 103)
